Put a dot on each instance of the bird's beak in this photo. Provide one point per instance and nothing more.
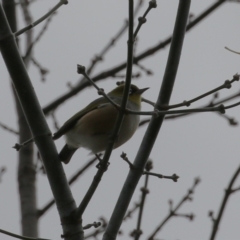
(140, 91)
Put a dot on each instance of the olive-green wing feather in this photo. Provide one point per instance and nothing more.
(74, 119)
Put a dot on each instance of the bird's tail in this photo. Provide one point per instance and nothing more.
(66, 154)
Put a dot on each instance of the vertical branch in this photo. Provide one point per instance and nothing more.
(26, 169)
(29, 34)
(155, 123)
(145, 191)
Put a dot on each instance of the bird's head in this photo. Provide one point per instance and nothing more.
(134, 93)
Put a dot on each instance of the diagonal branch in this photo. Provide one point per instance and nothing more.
(225, 199)
(40, 34)
(32, 25)
(19, 236)
(40, 131)
(9, 129)
(227, 84)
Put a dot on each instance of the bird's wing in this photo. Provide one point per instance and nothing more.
(100, 102)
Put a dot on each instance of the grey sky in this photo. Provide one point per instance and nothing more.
(202, 145)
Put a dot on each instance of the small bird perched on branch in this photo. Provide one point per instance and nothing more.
(91, 127)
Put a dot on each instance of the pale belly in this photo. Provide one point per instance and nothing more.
(94, 133)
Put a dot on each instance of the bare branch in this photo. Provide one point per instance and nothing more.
(227, 84)
(232, 50)
(173, 211)
(5, 127)
(174, 177)
(19, 236)
(141, 20)
(61, 2)
(96, 232)
(137, 232)
(40, 34)
(2, 171)
(125, 158)
(43, 71)
(131, 211)
(94, 224)
(216, 221)
(55, 122)
(81, 70)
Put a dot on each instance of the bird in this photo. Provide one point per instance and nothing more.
(91, 127)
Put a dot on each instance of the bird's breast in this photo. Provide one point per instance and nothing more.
(94, 129)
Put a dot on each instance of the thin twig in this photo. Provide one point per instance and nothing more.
(232, 106)
(232, 121)
(227, 84)
(228, 192)
(94, 224)
(98, 231)
(173, 211)
(43, 71)
(55, 122)
(131, 211)
(18, 146)
(232, 50)
(5, 127)
(81, 70)
(125, 158)
(136, 75)
(19, 236)
(28, 19)
(229, 98)
(148, 101)
(40, 34)
(174, 177)
(61, 2)
(221, 108)
(141, 20)
(2, 171)
(137, 232)
(143, 68)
